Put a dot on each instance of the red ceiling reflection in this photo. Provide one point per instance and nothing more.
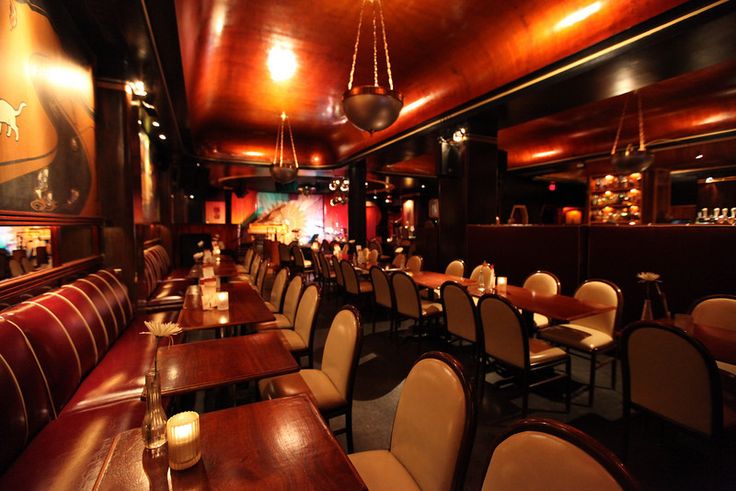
(443, 54)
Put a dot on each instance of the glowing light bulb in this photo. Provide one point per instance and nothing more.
(281, 63)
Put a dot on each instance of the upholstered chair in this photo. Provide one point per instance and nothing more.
(247, 259)
(475, 274)
(461, 322)
(671, 374)
(328, 275)
(301, 338)
(538, 453)
(408, 304)
(301, 265)
(592, 335)
(338, 273)
(26, 265)
(542, 283)
(285, 319)
(284, 255)
(455, 268)
(261, 277)
(431, 435)
(330, 387)
(382, 298)
(507, 342)
(414, 264)
(715, 311)
(353, 285)
(399, 261)
(278, 288)
(15, 268)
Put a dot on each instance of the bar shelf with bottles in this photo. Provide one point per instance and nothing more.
(629, 199)
(717, 216)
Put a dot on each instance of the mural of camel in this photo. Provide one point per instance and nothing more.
(9, 115)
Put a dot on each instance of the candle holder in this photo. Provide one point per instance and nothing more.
(223, 301)
(501, 283)
(182, 433)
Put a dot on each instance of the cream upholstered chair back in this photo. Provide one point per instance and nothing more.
(323, 265)
(306, 313)
(414, 264)
(543, 283)
(545, 454)
(261, 276)
(381, 287)
(291, 298)
(255, 265)
(459, 311)
(455, 268)
(485, 270)
(316, 264)
(350, 278)
(431, 426)
(602, 292)
(248, 258)
(399, 261)
(277, 289)
(342, 349)
(15, 268)
(373, 256)
(504, 333)
(715, 311)
(406, 296)
(338, 271)
(671, 374)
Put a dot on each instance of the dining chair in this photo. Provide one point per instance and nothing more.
(408, 304)
(301, 338)
(432, 432)
(247, 259)
(331, 386)
(15, 268)
(328, 275)
(339, 280)
(399, 261)
(285, 319)
(593, 335)
(414, 264)
(715, 311)
(382, 297)
(455, 268)
(261, 277)
(373, 257)
(356, 288)
(672, 375)
(507, 342)
(27, 265)
(301, 265)
(542, 283)
(461, 322)
(276, 300)
(538, 453)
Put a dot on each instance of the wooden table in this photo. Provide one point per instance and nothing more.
(429, 279)
(278, 444)
(720, 341)
(224, 268)
(246, 307)
(204, 365)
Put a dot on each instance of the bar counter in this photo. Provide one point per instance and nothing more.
(693, 260)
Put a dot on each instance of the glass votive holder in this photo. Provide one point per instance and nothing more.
(501, 283)
(182, 434)
(223, 301)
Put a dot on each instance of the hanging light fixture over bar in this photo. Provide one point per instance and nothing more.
(632, 159)
(372, 107)
(284, 173)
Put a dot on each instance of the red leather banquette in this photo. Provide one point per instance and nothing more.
(72, 366)
(161, 287)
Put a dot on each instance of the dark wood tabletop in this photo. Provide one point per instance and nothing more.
(429, 279)
(720, 341)
(558, 307)
(271, 445)
(226, 267)
(246, 307)
(207, 364)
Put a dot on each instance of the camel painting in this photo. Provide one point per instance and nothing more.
(9, 115)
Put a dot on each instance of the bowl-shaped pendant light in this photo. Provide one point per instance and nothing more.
(372, 107)
(632, 159)
(284, 172)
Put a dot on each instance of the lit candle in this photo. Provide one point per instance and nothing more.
(501, 283)
(182, 434)
(223, 301)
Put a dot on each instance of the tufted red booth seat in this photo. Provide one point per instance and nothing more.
(161, 287)
(72, 366)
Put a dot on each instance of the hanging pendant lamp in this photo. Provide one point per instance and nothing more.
(372, 107)
(631, 159)
(284, 172)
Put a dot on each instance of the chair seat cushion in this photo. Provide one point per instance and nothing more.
(271, 307)
(541, 321)
(120, 375)
(542, 352)
(431, 308)
(314, 383)
(281, 322)
(70, 451)
(577, 337)
(366, 287)
(293, 340)
(380, 470)
(240, 268)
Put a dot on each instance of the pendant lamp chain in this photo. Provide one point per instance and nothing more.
(377, 15)
(278, 154)
(642, 145)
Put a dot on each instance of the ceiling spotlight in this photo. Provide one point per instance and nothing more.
(156, 124)
(459, 135)
(162, 136)
(138, 88)
(699, 156)
(281, 63)
(423, 186)
(191, 196)
(709, 180)
(140, 122)
(375, 197)
(388, 201)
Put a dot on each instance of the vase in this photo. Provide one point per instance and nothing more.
(646, 311)
(154, 421)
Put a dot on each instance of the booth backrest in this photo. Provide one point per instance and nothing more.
(156, 265)
(48, 344)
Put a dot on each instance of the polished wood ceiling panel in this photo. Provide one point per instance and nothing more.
(697, 103)
(444, 54)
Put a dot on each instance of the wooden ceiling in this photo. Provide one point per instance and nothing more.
(443, 55)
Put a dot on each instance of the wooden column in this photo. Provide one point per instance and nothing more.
(356, 202)
(469, 182)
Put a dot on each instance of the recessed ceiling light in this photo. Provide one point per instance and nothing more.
(281, 63)
(709, 180)
(156, 124)
(140, 122)
(578, 16)
(162, 136)
(699, 156)
(191, 196)
(423, 186)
